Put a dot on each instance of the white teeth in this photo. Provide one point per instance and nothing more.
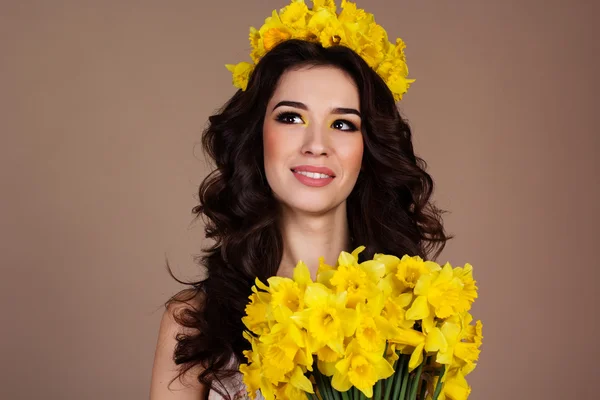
(313, 175)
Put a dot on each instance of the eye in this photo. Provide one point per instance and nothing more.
(287, 117)
(344, 125)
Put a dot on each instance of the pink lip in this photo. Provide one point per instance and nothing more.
(315, 182)
(311, 168)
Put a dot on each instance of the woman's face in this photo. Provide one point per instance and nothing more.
(313, 144)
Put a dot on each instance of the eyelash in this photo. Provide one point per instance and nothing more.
(285, 114)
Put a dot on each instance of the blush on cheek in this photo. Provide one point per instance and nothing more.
(270, 144)
(353, 157)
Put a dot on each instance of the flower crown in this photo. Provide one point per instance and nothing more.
(353, 28)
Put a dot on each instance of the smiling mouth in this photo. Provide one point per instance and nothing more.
(313, 175)
(312, 178)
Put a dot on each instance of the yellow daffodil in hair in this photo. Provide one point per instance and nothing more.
(352, 27)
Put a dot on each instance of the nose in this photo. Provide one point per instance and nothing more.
(316, 141)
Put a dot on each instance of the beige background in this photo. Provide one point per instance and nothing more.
(101, 108)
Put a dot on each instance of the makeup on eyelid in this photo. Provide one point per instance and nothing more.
(353, 127)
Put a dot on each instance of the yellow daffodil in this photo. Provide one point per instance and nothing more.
(350, 13)
(241, 73)
(252, 374)
(394, 71)
(469, 289)
(374, 269)
(371, 54)
(278, 360)
(327, 4)
(373, 329)
(353, 281)
(353, 28)
(326, 317)
(394, 311)
(472, 333)
(371, 334)
(361, 369)
(325, 27)
(257, 45)
(372, 44)
(325, 273)
(358, 280)
(410, 269)
(301, 275)
(252, 378)
(390, 285)
(444, 291)
(346, 259)
(455, 386)
(274, 36)
(294, 15)
(398, 85)
(286, 297)
(390, 262)
(332, 35)
(274, 31)
(463, 342)
(257, 311)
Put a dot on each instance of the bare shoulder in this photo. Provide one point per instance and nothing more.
(164, 369)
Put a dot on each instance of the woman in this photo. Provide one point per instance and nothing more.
(312, 158)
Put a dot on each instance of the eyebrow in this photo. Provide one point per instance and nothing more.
(302, 106)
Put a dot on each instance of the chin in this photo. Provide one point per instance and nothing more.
(311, 204)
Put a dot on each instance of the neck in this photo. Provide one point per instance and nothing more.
(307, 237)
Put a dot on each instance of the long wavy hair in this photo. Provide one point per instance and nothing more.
(389, 209)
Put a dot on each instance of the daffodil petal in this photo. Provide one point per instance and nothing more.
(326, 368)
(299, 380)
(340, 380)
(315, 294)
(302, 274)
(435, 341)
(419, 309)
(383, 369)
(416, 357)
(346, 259)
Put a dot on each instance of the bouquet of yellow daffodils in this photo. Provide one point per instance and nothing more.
(386, 328)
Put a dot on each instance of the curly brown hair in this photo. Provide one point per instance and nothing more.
(389, 210)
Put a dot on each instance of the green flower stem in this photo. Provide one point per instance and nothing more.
(411, 378)
(331, 392)
(320, 384)
(346, 395)
(336, 394)
(404, 383)
(390, 381)
(416, 380)
(399, 375)
(377, 392)
(438, 387)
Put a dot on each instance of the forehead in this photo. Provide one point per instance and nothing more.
(321, 86)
